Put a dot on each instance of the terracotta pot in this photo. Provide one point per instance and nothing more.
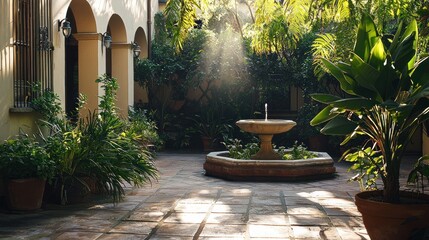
(25, 194)
(393, 221)
(318, 143)
(208, 144)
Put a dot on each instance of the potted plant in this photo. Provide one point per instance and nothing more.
(315, 140)
(386, 102)
(210, 127)
(25, 167)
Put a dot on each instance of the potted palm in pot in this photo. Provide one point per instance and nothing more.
(25, 167)
(386, 101)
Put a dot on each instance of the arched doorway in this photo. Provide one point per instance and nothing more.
(140, 94)
(118, 59)
(71, 70)
(81, 57)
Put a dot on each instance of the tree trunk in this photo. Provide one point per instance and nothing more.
(391, 187)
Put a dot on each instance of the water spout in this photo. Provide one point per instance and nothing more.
(266, 112)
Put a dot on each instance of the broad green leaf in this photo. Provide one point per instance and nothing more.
(387, 81)
(365, 75)
(420, 75)
(378, 55)
(339, 126)
(345, 85)
(397, 37)
(412, 29)
(323, 116)
(405, 54)
(354, 104)
(419, 92)
(366, 37)
(324, 98)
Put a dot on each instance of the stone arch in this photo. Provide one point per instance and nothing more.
(81, 56)
(118, 59)
(140, 93)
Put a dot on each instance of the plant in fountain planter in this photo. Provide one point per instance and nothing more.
(386, 102)
(25, 167)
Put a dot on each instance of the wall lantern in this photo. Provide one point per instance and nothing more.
(107, 40)
(65, 27)
(136, 49)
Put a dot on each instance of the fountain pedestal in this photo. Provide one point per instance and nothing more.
(266, 149)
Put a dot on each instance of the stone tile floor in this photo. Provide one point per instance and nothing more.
(186, 204)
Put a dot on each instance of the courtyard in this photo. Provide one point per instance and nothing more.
(185, 204)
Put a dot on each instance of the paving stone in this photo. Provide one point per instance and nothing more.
(271, 219)
(233, 200)
(156, 207)
(335, 201)
(184, 202)
(266, 200)
(129, 227)
(269, 231)
(238, 192)
(153, 216)
(78, 235)
(226, 218)
(81, 224)
(290, 201)
(192, 207)
(264, 210)
(197, 200)
(164, 237)
(108, 215)
(345, 221)
(185, 218)
(355, 233)
(212, 193)
(216, 230)
(305, 209)
(175, 229)
(342, 211)
(310, 232)
(222, 238)
(225, 208)
(122, 236)
(308, 220)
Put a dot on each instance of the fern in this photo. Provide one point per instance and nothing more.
(323, 47)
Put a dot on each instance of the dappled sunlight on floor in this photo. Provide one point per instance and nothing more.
(186, 204)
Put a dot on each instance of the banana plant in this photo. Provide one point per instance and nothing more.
(386, 87)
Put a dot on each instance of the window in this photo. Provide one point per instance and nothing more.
(33, 48)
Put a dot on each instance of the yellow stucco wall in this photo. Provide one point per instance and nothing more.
(93, 18)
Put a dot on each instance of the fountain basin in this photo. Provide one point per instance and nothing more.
(219, 164)
(261, 126)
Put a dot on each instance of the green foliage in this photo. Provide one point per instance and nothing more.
(419, 172)
(279, 25)
(23, 157)
(103, 147)
(298, 151)
(386, 102)
(238, 151)
(180, 15)
(366, 163)
(47, 104)
(143, 128)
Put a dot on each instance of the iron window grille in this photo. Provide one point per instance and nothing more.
(32, 49)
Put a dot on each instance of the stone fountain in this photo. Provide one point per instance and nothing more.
(267, 165)
(265, 129)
